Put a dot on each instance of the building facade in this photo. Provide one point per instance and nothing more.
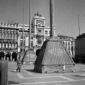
(68, 43)
(15, 37)
(23, 38)
(39, 32)
(8, 39)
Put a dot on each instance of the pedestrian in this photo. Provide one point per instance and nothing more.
(19, 64)
(64, 67)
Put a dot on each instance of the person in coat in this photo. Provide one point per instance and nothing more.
(19, 63)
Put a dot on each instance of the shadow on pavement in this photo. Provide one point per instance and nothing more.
(14, 71)
(78, 75)
(12, 82)
(33, 71)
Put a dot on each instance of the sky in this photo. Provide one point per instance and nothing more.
(65, 13)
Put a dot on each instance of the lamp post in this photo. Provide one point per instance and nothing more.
(23, 28)
(79, 23)
(29, 27)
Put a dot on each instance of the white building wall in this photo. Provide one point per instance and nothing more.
(34, 42)
(27, 41)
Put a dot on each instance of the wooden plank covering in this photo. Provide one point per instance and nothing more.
(52, 53)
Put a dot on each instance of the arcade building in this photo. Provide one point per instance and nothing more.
(14, 37)
(8, 41)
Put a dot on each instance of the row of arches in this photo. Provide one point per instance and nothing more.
(11, 56)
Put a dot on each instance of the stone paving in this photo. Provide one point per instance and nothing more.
(27, 77)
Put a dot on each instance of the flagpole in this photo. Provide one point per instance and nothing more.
(23, 26)
(51, 18)
(79, 23)
(29, 26)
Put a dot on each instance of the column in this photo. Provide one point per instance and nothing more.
(11, 56)
(73, 48)
(0, 44)
(9, 44)
(0, 33)
(70, 48)
(67, 45)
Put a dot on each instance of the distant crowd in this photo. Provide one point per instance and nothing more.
(8, 56)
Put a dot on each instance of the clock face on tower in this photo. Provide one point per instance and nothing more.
(40, 22)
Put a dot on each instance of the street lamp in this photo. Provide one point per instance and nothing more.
(23, 28)
(79, 23)
(29, 26)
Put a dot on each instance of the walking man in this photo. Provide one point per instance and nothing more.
(18, 64)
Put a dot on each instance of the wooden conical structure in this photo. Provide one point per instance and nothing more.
(51, 56)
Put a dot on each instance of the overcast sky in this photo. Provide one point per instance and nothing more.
(66, 13)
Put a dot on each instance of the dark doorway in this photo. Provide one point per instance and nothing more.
(14, 56)
(8, 55)
(1, 55)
